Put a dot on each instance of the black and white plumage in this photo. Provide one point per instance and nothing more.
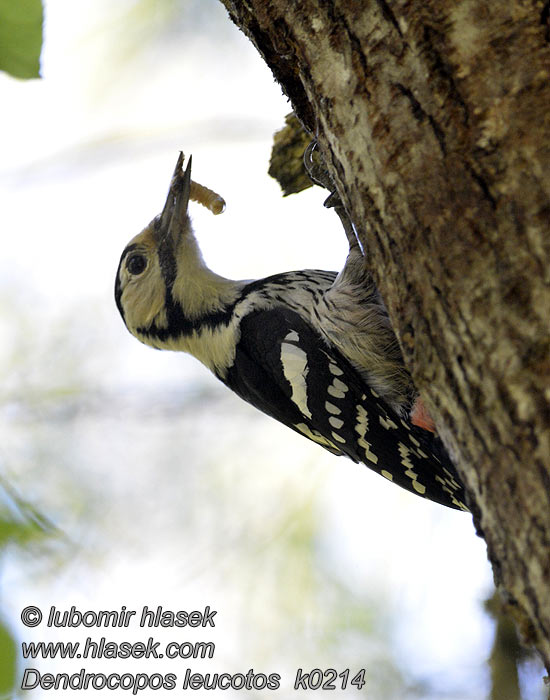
(312, 349)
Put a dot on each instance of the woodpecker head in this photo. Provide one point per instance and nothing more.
(163, 287)
(149, 264)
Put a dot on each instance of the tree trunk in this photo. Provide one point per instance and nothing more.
(434, 120)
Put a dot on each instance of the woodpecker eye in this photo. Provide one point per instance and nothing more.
(136, 264)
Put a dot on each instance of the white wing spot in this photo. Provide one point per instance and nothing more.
(337, 384)
(335, 392)
(376, 396)
(450, 477)
(336, 422)
(294, 361)
(387, 423)
(450, 480)
(292, 336)
(387, 475)
(315, 436)
(331, 408)
(404, 451)
(338, 389)
(337, 437)
(334, 369)
(362, 421)
(361, 429)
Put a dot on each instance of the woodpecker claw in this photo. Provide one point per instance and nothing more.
(316, 169)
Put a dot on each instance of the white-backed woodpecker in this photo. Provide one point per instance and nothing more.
(313, 349)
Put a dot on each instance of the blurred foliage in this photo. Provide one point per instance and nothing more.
(7, 662)
(21, 37)
(21, 525)
(137, 27)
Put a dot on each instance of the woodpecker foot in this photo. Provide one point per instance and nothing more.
(318, 173)
(316, 169)
(419, 416)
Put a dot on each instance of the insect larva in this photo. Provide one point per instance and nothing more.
(208, 198)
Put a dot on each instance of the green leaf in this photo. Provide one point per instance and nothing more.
(21, 37)
(7, 662)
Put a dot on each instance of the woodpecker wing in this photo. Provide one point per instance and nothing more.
(285, 369)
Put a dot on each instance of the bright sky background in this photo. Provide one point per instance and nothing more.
(87, 155)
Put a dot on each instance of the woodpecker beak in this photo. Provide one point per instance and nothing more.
(174, 213)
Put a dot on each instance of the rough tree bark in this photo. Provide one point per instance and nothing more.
(434, 120)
